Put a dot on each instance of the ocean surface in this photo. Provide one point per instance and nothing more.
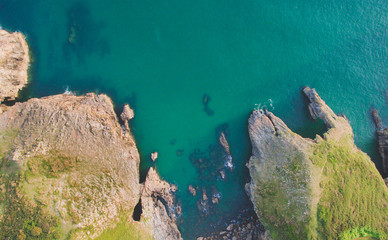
(191, 68)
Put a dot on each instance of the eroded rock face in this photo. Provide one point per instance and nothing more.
(382, 140)
(159, 211)
(80, 163)
(14, 62)
(298, 185)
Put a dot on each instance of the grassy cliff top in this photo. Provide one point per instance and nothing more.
(324, 188)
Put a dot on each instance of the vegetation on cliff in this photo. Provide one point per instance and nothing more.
(321, 189)
(67, 168)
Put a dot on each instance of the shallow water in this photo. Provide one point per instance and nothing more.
(162, 57)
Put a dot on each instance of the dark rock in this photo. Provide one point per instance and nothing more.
(382, 140)
(192, 190)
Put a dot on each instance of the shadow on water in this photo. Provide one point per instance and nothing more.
(220, 198)
(300, 121)
(84, 34)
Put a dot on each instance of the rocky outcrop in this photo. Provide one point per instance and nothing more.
(78, 162)
(302, 188)
(67, 167)
(382, 140)
(14, 62)
(158, 207)
(127, 115)
(243, 227)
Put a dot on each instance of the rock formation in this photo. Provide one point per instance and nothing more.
(127, 115)
(154, 156)
(242, 227)
(303, 188)
(14, 62)
(67, 167)
(158, 207)
(76, 159)
(382, 140)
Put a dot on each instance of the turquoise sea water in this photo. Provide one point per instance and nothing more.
(162, 57)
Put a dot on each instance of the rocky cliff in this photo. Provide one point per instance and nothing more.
(69, 169)
(14, 62)
(324, 188)
(159, 210)
(382, 140)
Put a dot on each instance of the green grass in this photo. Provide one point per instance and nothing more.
(23, 218)
(354, 195)
(280, 207)
(125, 230)
(50, 165)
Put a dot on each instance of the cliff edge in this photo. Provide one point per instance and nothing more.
(14, 63)
(324, 188)
(382, 140)
(68, 169)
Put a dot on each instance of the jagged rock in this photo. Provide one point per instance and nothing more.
(127, 113)
(204, 195)
(203, 203)
(227, 156)
(319, 109)
(222, 174)
(216, 196)
(382, 140)
(173, 188)
(154, 156)
(292, 178)
(14, 62)
(192, 190)
(230, 227)
(157, 207)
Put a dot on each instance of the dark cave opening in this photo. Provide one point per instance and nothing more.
(137, 211)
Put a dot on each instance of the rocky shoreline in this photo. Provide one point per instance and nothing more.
(69, 169)
(14, 63)
(68, 158)
(298, 185)
(382, 140)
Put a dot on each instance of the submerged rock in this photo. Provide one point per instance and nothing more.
(303, 188)
(205, 101)
(192, 190)
(14, 63)
(382, 140)
(216, 196)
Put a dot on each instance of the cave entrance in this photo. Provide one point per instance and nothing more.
(137, 211)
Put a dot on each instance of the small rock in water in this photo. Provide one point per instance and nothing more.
(127, 113)
(179, 210)
(192, 190)
(230, 227)
(154, 156)
(204, 196)
(179, 152)
(216, 196)
(173, 188)
(222, 173)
